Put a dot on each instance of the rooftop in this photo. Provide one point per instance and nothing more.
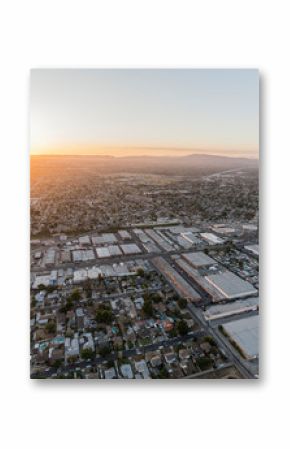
(199, 259)
(245, 333)
(230, 285)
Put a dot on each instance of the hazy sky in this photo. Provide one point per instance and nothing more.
(139, 111)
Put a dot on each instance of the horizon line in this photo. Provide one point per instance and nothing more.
(254, 156)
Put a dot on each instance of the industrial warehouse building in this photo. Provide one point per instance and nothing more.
(104, 238)
(230, 285)
(124, 235)
(233, 308)
(245, 334)
(130, 248)
(254, 249)
(180, 285)
(212, 239)
(198, 259)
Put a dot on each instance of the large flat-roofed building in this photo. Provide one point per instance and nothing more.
(159, 240)
(49, 257)
(114, 250)
(81, 255)
(77, 255)
(230, 285)
(102, 252)
(180, 229)
(199, 259)
(130, 248)
(44, 279)
(104, 238)
(250, 227)
(80, 275)
(219, 311)
(180, 285)
(190, 237)
(254, 249)
(94, 272)
(245, 334)
(84, 240)
(124, 235)
(211, 238)
(88, 255)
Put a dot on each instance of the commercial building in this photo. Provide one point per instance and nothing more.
(49, 257)
(254, 249)
(233, 308)
(88, 255)
(130, 248)
(124, 235)
(80, 275)
(190, 237)
(230, 285)
(159, 240)
(84, 240)
(114, 250)
(245, 334)
(44, 279)
(212, 239)
(82, 255)
(183, 288)
(199, 259)
(104, 238)
(77, 255)
(94, 272)
(102, 252)
(250, 227)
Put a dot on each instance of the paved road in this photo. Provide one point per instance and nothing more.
(126, 353)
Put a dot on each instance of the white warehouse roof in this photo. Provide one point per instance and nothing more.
(245, 333)
(230, 285)
(199, 259)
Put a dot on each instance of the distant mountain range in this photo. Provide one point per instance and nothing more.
(193, 164)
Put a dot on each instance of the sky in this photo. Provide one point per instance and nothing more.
(121, 112)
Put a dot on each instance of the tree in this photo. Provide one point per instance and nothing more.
(163, 373)
(182, 302)
(104, 314)
(156, 297)
(87, 353)
(100, 278)
(204, 363)
(57, 363)
(75, 295)
(172, 333)
(104, 351)
(50, 327)
(140, 272)
(182, 327)
(147, 307)
(209, 339)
